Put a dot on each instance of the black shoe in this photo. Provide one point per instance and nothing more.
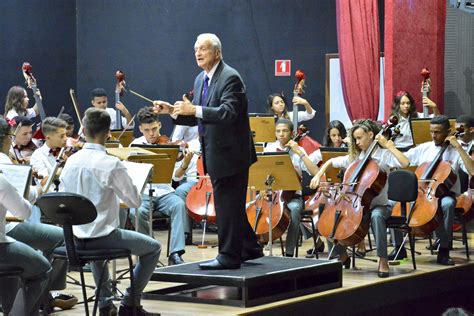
(443, 257)
(319, 248)
(175, 259)
(401, 255)
(252, 255)
(383, 274)
(216, 265)
(434, 247)
(126, 310)
(109, 310)
(347, 263)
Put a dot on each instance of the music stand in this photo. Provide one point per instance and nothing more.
(420, 129)
(332, 152)
(262, 127)
(125, 138)
(272, 172)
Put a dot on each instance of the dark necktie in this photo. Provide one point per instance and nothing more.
(205, 86)
(55, 152)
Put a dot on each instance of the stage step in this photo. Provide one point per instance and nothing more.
(260, 281)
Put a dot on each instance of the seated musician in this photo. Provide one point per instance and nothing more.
(405, 109)
(23, 144)
(39, 236)
(17, 104)
(459, 160)
(465, 123)
(44, 158)
(276, 104)
(165, 200)
(362, 135)
(104, 180)
(99, 100)
(301, 161)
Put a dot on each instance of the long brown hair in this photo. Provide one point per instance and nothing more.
(15, 100)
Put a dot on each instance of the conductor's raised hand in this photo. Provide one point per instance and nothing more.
(184, 107)
(162, 107)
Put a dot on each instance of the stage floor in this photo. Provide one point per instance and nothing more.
(430, 289)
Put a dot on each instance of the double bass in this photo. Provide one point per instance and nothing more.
(119, 91)
(346, 218)
(27, 71)
(425, 89)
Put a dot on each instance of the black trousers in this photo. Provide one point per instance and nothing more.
(236, 237)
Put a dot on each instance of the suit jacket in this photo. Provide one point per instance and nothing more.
(227, 143)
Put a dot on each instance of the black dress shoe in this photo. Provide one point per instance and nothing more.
(216, 265)
(434, 246)
(319, 247)
(175, 259)
(401, 255)
(383, 274)
(252, 256)
(126, 310)
(109, 310)
(444, 258)
(346, 263)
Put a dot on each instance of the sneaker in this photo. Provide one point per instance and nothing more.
(126, 310)
(63, 301)
(109, 310)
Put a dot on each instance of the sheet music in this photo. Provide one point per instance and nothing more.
(19, 176)
(139, 172)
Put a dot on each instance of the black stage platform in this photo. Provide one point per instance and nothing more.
(259, 281)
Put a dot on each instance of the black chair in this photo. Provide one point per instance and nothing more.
(403, 188)
(68, 209)
(307, 217)
(461, 219)
(9, 271)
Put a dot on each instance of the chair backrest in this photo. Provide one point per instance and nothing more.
(402, 186)
(68, 209)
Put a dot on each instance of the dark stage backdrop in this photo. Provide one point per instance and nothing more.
(42, 32)
(152, 42)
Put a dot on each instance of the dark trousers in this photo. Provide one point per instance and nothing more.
(236, 237)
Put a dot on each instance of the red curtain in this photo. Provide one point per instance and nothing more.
(358, 40)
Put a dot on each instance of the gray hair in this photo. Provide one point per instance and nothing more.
(215, 41)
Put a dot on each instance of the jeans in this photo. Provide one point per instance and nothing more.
(170, 205)
(295, 205)
(36, 269)
(146, 248)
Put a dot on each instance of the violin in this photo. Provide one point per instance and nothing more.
(119, 91)
(32, 84)
(346, 216)
(435, 178)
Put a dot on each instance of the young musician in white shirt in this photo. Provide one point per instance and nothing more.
(164, 199)
(459, 160)
(23, 144)
(36, 268)
(301, 162)
(99, 100)
(104, 180)
(363, 134)
(17, 104)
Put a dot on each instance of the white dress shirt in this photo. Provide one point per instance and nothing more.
(104, 180)
(384, 159)
(11, 200)
(296, 160)
(30, 113)
(113, 119)
(302, 116)
(209, 74)
(426, 152)
(186, 133)
(405, 139)
(160, 188)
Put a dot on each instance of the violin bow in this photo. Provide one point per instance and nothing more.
(129, 123)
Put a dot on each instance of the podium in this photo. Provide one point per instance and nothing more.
(262, 127)
(272, 172)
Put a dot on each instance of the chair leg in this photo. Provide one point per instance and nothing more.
(97, 296)
(282, 247)
(169, 240)
(315, 239)
(411, 240)
(300, 237)
(370, 240)
(464, 236)
(353, 257)
(84, 291)
(431, 243)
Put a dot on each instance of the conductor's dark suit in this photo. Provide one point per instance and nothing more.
(228, 152)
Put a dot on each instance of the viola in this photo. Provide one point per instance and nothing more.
(32, 84)
(346, 217)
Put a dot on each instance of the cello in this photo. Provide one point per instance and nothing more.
(435, 178)
(347, 219)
